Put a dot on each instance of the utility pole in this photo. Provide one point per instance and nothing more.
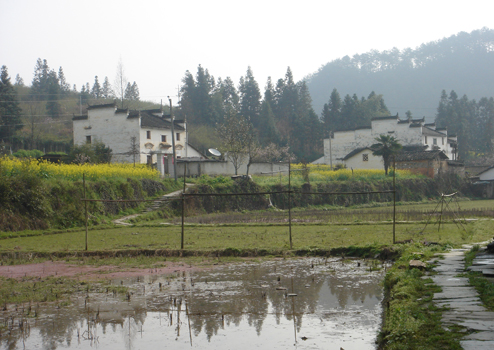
(174, 159)
(330, 152)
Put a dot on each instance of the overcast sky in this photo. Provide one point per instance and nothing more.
(159, 40)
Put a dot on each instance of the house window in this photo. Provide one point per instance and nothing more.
(163, 138)
(442, 138)
(88, 139)
(365, 157)
(149, 159)
(434, 141)
(148, 134)
(178, 136)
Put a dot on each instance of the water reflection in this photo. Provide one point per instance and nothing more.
(279, 303)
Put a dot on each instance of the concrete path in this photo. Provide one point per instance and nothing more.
(465, 306)
(155, 206)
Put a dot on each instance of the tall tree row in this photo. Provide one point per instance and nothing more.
(351, 112)
(283, 115)
(471, 121)
(10, 111)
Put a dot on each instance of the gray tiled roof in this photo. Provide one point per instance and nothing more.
(421, 155)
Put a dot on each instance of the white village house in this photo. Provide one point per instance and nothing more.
(352, 147)
(152, 130)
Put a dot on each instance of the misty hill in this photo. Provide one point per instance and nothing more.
(413, 79)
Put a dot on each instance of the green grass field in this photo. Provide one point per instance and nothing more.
(270, 237)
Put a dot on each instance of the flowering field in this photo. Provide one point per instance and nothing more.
(46, 169)
(319, 172)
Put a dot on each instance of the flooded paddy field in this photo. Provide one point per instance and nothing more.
(306, 303)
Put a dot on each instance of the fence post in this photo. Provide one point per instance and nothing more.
(394, 199)
(183, 210)
(290, 201)
(85, 201)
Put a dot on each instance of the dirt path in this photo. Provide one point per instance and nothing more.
(153, 207)
(62, 269)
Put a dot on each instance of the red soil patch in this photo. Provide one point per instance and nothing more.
(62, 269)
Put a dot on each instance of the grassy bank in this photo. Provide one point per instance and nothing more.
(38, 195)
(411, 321)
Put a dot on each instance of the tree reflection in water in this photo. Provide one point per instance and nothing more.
(188, 309)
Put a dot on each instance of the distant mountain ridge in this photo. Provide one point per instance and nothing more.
(413, 79)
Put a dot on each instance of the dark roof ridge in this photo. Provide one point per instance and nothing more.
(105, 105)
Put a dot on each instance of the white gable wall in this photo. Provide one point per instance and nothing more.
(113, 129)
(357, 161)
(487, 175)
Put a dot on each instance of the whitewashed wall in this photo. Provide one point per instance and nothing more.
(152, 145)
(113, 129)
(197, 168)
(356, 162)
(487, 175)
(345, 142)
(116, 131)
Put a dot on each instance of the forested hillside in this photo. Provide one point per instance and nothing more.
(412, 79)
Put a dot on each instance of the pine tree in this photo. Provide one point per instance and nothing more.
(53, 107)
(39, 86)
(250, 98)
(202, 102)
(96, 90)
(106, 90)
(10, 110)
(331, 114)
(19, 81)
(267, 127)
(135, 91)
(128, 92)
(187, 96)
(64, 86)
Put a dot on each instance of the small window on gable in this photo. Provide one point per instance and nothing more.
(365, 157)
(88, 139)
(434, 141)
(163, 138)
(178, 136)
(148, 134)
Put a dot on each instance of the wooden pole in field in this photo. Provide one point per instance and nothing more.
(85, 202)
(183, 210)
(394, 199)
(441, 214)
(290, 202)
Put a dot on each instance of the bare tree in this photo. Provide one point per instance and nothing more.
(236, 137)
(269, 154)
(120, 82)
(134, 148)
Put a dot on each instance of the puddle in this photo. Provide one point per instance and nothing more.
(279, 304)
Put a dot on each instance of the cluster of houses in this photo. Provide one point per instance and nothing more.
(426, 149)
(149, 136)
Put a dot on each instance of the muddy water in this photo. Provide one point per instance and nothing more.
(279, 304)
